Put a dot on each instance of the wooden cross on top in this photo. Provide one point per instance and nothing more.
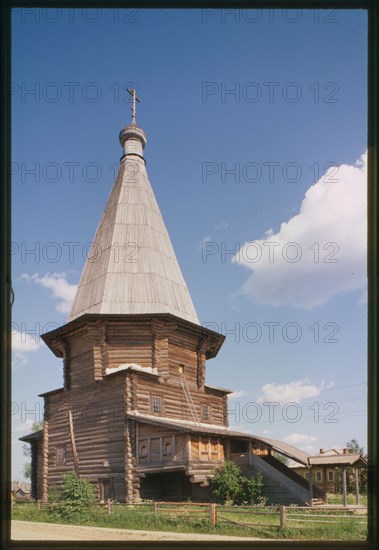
(133, 93)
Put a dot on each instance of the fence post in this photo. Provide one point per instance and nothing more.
(109, 506)
(282, 516)
(39, 504)
(155, 507)
(213, 513)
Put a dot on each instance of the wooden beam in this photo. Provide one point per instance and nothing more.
(161, 449)
(310, 483)
(173, 448)
(325, 486)
(73, 445)
(250, 453)
(344, 492)
(227, 448)
(188, 445)
(356, 472)
(137, 443)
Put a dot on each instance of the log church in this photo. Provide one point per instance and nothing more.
(135, 415)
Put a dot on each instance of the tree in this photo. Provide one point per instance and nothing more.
(229, 485)
(281, 458)
(27, 451)
(354, 447)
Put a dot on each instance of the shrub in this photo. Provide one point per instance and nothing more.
(76, 496)
(230, 486)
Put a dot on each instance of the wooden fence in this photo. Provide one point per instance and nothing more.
(275, 516)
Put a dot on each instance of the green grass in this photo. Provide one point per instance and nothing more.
(337, 499)
(142, 518)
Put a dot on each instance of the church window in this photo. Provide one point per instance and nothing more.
(143, 451)
(156, 404)
(206, 412)
(167, 448)
(61, 454)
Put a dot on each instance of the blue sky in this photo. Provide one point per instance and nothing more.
(255, 122)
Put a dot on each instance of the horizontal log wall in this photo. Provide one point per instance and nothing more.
(98, 426)
(174, 402)
(130, 344)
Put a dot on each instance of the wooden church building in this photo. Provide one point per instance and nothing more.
(135, 415)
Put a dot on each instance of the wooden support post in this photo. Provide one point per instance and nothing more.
(227, 448)
(155, 508)
(109, 506)
(356, 472)
(250, 453)
(325, 486)
(282, 516)
(188, 445)
(39, 504)
(213, 513)
(72, 438)
(344, 491)
(137, 443)
(161, 450)
(310, 487)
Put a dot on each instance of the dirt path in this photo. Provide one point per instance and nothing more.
(28, 530)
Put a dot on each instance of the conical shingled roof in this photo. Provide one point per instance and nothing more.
(132, 267)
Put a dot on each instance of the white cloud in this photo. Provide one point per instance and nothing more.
(57, 282)
(203, 241)
(332, 215)
(238, 394)
(299, 439)
(24, 426)
(223, 225)
(295, 391)
(22, 345)
(310, 449)
(245, 428)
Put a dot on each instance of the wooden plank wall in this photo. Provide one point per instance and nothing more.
(151, 446)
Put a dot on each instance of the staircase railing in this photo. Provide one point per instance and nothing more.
(288, 484)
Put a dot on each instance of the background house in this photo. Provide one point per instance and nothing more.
(328, 469)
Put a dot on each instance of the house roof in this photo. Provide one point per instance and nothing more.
(287, 450)
(20, 486)
(351, 459)
(32, 437)
(213, 429)
(132, 267)
(217, 388)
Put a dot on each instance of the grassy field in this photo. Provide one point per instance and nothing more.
(337, 499)
(188, 520)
